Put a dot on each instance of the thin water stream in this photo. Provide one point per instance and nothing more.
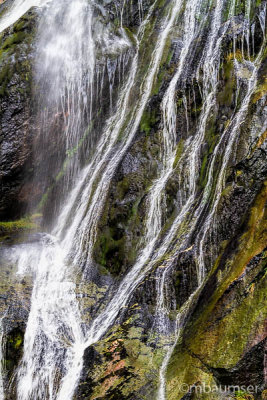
(55, 337)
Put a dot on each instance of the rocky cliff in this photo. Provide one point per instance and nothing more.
(219, 340)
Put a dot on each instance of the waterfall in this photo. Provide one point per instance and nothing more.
(54, 319)
(232, 133)
(68, 74)
(101, 323)
(188, 165)
(190, 157)
(210, 65)
(87, 219)
(17, 10)
(48, 331)
(192, 30)
(187, 306)
(65, 73)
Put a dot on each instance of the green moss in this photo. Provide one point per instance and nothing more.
(108, 248)
(13, 350)
(227, 190)
(128, 365)
(6, 74)
(22, 225)
(241, 395)
(130, 35)
(16, 38)
(211, 139)
(225, 97)
(179, 152)
(261, 91)
(203, 169)
(220, 332)
(147, 121)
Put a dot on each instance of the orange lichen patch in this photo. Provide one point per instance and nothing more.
(110, 375)
(108, 383)
(261, 335)
(114, 366)
(261, 139)
(114, 345)
(237, 55)
(116, 363)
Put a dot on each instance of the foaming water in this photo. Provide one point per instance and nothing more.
(17, 10)
(65, 72)
(54, 319)
(1, 359)
(55, 337)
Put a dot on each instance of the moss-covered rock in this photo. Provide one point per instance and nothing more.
(217, 340)
(16, 55)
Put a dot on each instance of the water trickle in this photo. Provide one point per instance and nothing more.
(231, 133)
(262, 18)
(1, 359)
(65, 70)
(111, 67)
(141, 11)
(17, 10)
(51, 331)
(55, 338)
(232, 9)
(210, 65)
(179, 324)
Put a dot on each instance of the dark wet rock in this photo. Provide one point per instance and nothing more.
(249, 371)
(15, 117)
(219, 342)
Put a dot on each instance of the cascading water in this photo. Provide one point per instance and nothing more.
(49, 326)
(154, 222)
(1, 359)
(66, 63)
(67, 70)
(88, 223)
(101, 324)
(17, 10)
(232, 132)
(42, 371)
(191, 155)
(192, 152)
(210, 67)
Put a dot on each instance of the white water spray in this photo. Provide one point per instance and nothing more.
(17, 10)
(55, 339)
(1, 358)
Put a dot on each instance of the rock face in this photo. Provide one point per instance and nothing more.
(222, 340)
(16, 139)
